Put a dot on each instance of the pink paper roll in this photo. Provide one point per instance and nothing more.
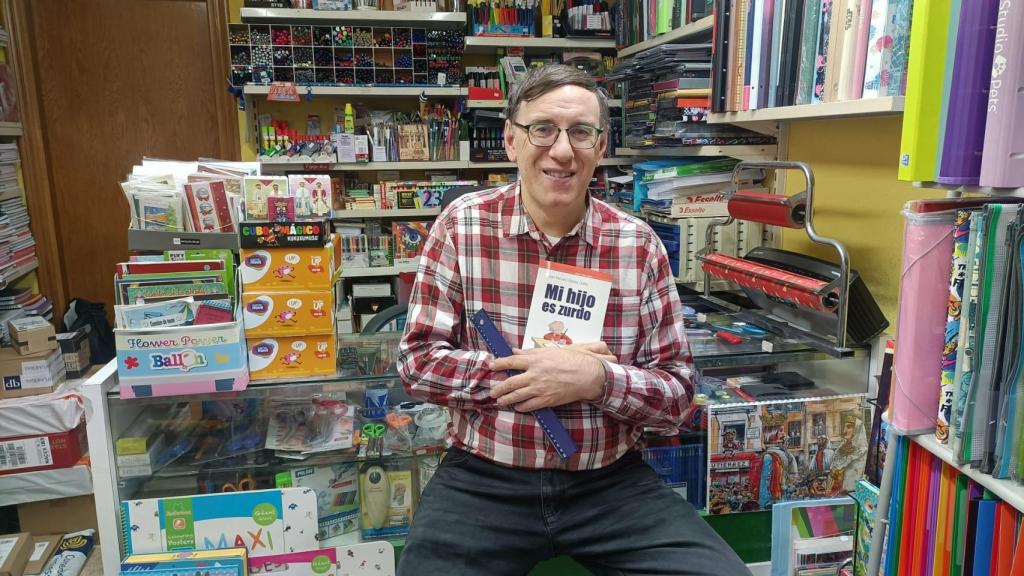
(924, 294)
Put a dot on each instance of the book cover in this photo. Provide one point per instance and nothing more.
(568, 306)
(919, 141)
(821, 51)
(409, 239)
(265, 522)
(257, 190)
(808, 51)
(1002, 164)
(878, 41)
(896, 59)
(848, 59)
(789, 66)
(958, 272)
(836, 35)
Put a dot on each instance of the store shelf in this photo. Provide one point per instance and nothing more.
(396, 213)
(449, 165)
(45, 485)
(377, 271)
(375, 91)
(852, 108)
(10, 129)
(670, 151)
(488, 44)
(500, 104)
(325, 17)
(1007, 490)
(158, 241)
(603, 162)
(679, 35)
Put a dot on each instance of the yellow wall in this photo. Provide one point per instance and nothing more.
(857, 197)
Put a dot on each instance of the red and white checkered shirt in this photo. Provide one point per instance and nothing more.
(483, 252)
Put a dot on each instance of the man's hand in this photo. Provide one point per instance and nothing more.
(552, 376)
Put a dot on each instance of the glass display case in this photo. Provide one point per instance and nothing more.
(325, 433)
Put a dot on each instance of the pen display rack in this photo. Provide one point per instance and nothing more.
(344, 55)
(488, 18)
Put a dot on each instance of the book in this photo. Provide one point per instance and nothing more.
(314, 196)
(209, 206)
(281, 208)
(568, 306)
(409, 239)
(1002, 164)
(877, 42)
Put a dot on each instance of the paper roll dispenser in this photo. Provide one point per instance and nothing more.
(865, 319)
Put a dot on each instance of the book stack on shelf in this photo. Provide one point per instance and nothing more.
(771, 53)
(17, 246)
(668, 92)
(641, 20)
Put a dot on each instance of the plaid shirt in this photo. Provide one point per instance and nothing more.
(483, 252)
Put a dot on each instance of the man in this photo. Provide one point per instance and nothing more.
(502, 499)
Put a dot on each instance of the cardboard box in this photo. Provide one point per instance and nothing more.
(15, 550)
(291, 268)
(30, 374)
(43, 547)
(292, 313)
(63, 515)
(32, 334)
(46, 452)
(75, 348)
(293, 357)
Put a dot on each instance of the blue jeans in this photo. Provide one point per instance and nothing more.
(476, 517)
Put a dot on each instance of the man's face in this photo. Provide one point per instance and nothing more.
(555, 176)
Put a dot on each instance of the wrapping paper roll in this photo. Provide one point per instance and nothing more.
(924, 298)
(793, 288)
(775, 209)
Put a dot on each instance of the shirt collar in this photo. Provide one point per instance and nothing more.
(517, 221)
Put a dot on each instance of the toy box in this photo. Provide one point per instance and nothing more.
(181, 360)
(291, 268)
(74, 346)
(265, 522)
(278, 234)
(386, 499)
(337, 495)
(293, 356)
(292, 313)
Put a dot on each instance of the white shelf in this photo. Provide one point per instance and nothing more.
(376, 91)
(849, 109)
(500, 104)
(396, 213)
(1007, 490)
(10, 128)
(740, 150)
(323, 17)
(485, 44)
(377, 271)
(676, 36)
(45, 485)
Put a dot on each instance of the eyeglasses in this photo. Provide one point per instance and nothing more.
(544, 134)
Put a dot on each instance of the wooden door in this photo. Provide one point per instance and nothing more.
(105, 83)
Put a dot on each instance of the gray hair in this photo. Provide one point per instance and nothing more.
(540, 81)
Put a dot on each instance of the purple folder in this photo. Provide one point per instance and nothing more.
(968, 94)
(1002, 164)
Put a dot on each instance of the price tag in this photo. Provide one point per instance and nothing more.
(767, 346)
(283, 92)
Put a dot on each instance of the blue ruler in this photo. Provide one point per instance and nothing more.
(549, 422)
